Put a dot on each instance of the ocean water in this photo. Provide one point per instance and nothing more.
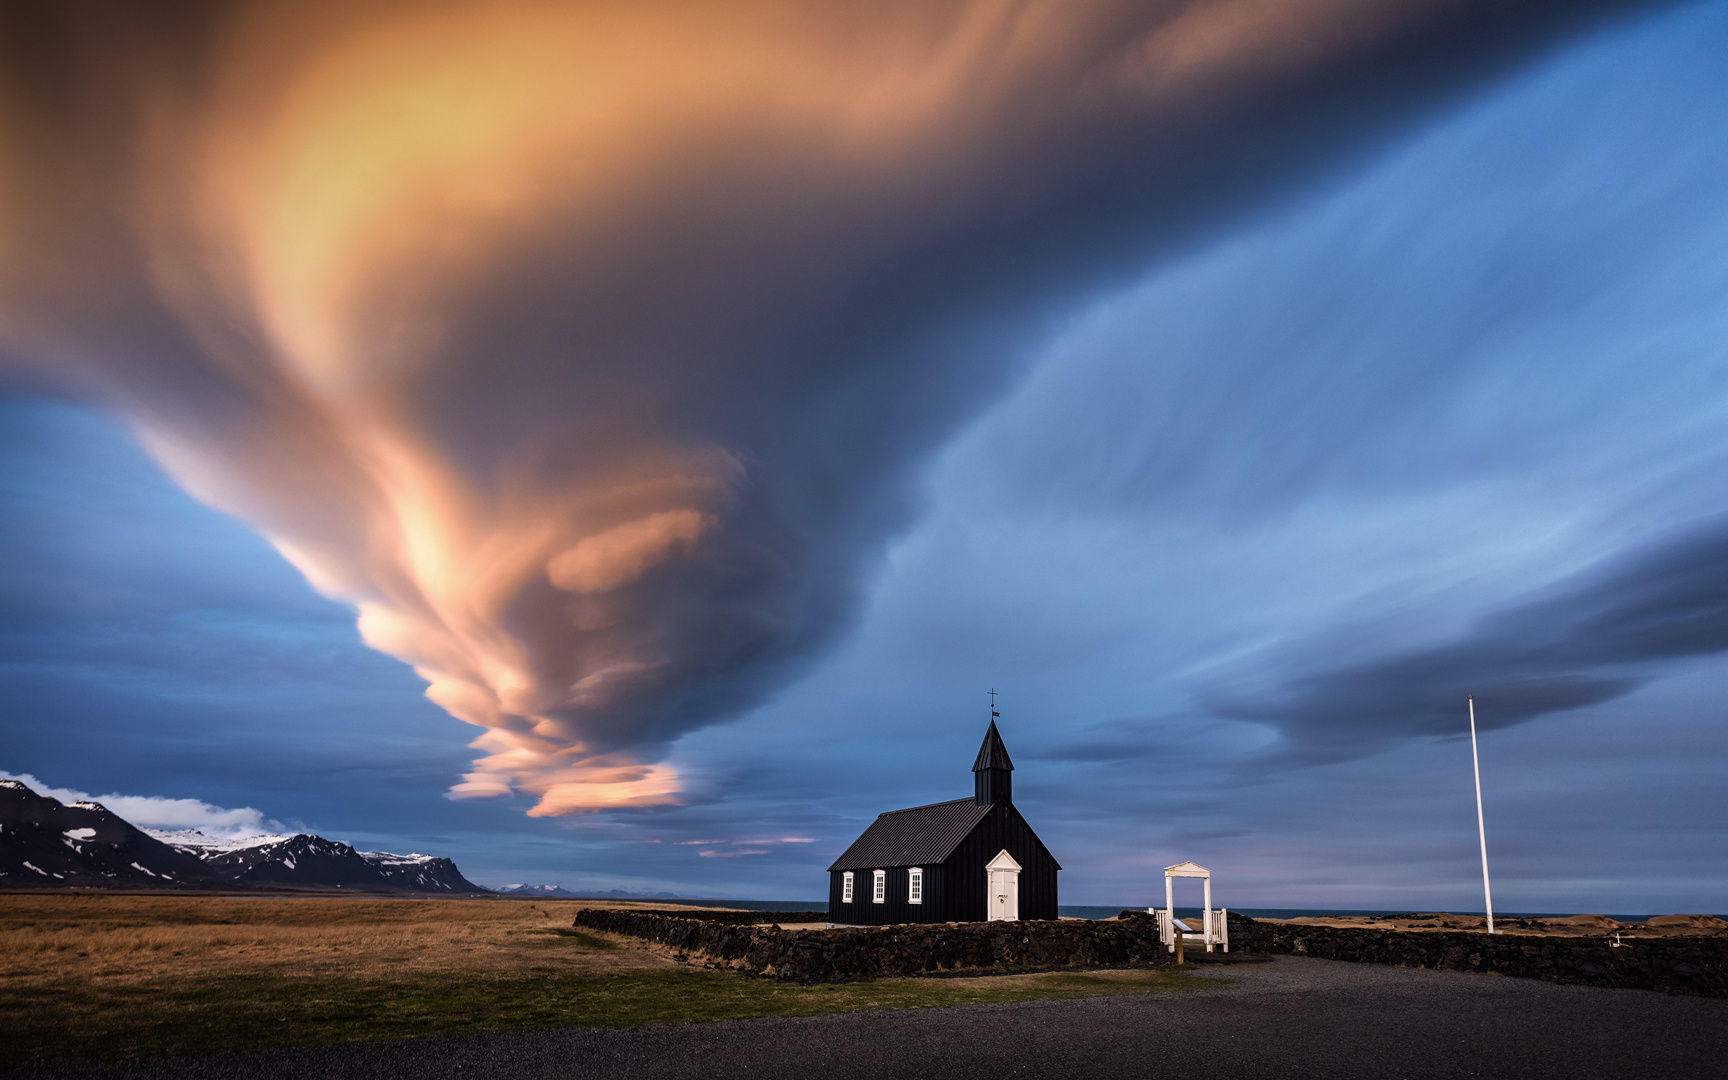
(1104, 911)
(727, 902)
(1087, 911)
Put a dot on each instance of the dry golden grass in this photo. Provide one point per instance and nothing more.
(118, 938)
(118, 975)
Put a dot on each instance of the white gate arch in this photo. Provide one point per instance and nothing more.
(1214, 930)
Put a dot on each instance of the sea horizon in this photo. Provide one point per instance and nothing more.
(1105, 911)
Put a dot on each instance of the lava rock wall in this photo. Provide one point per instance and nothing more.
(1675, 965)
(847, 953)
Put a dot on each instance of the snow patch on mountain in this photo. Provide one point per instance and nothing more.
(390, 858)
(199, 841)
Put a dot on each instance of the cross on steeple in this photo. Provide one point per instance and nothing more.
(993, 711)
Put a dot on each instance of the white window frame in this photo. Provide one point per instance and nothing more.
(915, 885)
(846, 887)
(879, 890)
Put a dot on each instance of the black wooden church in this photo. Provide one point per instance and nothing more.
(966, 860)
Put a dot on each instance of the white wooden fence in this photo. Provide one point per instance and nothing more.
(1214, 929)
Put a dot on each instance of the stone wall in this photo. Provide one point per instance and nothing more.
(907, 949)
(1676, 965)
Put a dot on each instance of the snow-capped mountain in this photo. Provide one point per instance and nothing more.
(305, 859)
(44, 842)
(421, 873)
(302, 859)
(523, 889)
(539, 891)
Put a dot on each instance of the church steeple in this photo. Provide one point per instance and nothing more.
(992, 773)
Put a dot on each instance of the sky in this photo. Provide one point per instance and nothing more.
(643, 493)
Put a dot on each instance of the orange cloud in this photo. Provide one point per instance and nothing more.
(586, 349)
(620, 555)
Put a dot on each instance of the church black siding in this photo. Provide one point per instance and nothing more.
(896, 907)
(952, 842)
(954, 888)
(1003, 830)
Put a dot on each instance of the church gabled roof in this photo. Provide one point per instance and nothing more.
(917, 836)
(992, 755)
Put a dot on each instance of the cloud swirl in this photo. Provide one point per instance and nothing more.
(590, 351)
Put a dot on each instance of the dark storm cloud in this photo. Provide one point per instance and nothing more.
(1594, 637)
(601, 415)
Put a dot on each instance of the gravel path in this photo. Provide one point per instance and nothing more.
(1290, 1016)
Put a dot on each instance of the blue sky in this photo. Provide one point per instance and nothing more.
(1233, 542)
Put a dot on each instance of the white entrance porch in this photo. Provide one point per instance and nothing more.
(1002, 888)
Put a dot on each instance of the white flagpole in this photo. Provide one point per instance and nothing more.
(1481, 830)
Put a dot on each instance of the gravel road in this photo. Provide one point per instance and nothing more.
(1289, 1016)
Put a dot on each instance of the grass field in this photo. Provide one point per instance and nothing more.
(115, 975)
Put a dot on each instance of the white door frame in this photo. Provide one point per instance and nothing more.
(1002, 879)
(1212, 932)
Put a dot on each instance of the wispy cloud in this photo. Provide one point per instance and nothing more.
(159, 813)
(1595, 636)
(728, 849)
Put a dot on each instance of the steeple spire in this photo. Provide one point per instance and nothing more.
(992, 772)
(992, 754)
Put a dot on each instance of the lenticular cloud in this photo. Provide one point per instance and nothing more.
(588, 351)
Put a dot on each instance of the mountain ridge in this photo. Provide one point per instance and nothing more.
(44, 842)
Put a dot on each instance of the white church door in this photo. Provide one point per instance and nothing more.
(1002, 881)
